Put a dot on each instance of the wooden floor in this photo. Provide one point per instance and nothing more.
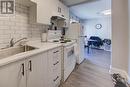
(99, 57)
(89, 74)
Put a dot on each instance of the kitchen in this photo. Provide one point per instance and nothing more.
(34, 47)
(42, 45)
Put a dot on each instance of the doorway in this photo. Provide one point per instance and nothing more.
(98, 41)
(96, 18)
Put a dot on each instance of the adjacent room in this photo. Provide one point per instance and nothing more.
(95, 17)
(96, 31)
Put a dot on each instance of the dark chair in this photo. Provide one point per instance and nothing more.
(97, 41)
(94, 41)
(107, 41)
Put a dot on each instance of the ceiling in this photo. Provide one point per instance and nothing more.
(75, 2)
(88, 9)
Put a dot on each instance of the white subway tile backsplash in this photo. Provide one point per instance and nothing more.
(18, 26)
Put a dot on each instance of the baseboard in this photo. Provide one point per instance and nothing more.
(121, 72)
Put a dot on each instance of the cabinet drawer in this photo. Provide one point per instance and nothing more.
(56, 81)
(57, 70)
(56, 55)
(56, 51)
(57, 64)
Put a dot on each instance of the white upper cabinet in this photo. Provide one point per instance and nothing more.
(64, 10)
(40, 12)
(59, 9)
(43, 10)
(55, 4)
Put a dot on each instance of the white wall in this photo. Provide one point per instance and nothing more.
(120, 35)
(104, 32)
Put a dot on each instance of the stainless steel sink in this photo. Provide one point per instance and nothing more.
(15, 50)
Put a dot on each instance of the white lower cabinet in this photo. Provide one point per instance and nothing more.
(30, 72)
(13, 75)
(41, 70)
(37, 70)
(54, 69)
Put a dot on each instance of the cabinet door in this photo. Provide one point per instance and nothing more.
(37, 70)
(13, 75)
(58, 8)
(55, 4)
(44, 11)
(64, 13)
(61, 9)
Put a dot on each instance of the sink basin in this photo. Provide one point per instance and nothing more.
(15, 50)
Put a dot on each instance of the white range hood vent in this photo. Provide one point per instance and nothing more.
(57, 18)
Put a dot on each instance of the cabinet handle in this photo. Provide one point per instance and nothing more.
(30, 65)
(23, 69)
(56, 52)
(56, 78)
(56, 63)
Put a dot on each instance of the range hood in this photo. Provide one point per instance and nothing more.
(58, 18)
(58, 22)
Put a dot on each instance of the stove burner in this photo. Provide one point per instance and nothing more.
(56, 41)
(64, 41)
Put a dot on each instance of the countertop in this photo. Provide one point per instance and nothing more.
(64, 44)
(42, 47)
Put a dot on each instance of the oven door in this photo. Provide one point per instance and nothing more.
(69, 60)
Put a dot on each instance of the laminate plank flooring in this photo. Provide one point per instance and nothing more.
(99, 57)
(90, 73)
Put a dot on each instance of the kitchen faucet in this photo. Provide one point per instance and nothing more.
(12, 43)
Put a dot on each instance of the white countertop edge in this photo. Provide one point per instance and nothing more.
(25, 55)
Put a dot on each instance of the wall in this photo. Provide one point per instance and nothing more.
(129, 44)
(104, 32)
(120, 36)
(18, 26)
